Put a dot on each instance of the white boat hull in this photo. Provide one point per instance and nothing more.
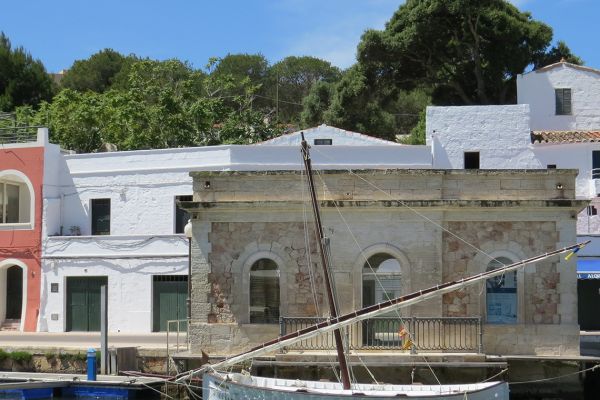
(217, 386)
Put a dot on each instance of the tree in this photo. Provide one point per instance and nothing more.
(357, 102)
(557, 53)
(244, 70)
(467, 51)
(316, 103)
(23, 80)
(159, 104)
(97, 73)
(291, 80)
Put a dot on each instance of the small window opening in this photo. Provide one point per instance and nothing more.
(264, 292)
(551, 166)
(563, 101)
(592, 210)
(321, 142)
(471, 160)
(100, 216)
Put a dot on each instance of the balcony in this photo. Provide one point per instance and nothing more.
(436, 334)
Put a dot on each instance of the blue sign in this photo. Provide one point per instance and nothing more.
(588, 268)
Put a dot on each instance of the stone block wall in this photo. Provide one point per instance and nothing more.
(242, 217)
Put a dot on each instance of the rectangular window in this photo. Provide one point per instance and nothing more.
(551, 166)
(591, 210)
(563, 101)
(321, 142)
(9, 203)
(181, 216)
(100, 216)
(471, 160)
(596, 164)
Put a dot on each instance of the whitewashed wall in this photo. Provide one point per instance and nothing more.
(537, 89)
(128, 262)
(142, 186)
(500, 134)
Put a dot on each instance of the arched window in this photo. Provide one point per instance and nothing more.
(501, 294)
(15, 200)
(264, 292)
(381, 279)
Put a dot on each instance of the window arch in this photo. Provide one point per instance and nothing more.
(16, 198)
(381, 279)
(264, 291)
(501, 294)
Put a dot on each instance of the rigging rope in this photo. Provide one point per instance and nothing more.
(326, 188)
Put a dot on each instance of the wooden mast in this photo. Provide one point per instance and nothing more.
(321, 238)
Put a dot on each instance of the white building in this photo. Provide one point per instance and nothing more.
(555, 125)
(112, 217)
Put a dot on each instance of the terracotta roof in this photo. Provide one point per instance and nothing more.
(567, 64)
(565, 136)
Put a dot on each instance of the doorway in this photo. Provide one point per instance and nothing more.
(14, 292)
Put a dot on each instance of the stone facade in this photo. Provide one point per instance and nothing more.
(439, 226)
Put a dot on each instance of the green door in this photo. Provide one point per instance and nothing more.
(169, 300)
(83, 303)
(14, 292)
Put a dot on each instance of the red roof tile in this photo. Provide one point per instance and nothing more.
(565, 136)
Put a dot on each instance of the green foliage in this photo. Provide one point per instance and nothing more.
(4, 355)
(466, 51)
(316, 103)
(21, 356)
(50, 355)
(72, 356)
(97, 73)
(358, 103)
(290, 81)
(159, 104)
(23, 80)
(417, 133)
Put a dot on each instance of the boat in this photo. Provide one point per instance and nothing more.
(219, 385)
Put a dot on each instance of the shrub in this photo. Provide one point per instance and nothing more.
(21, 356)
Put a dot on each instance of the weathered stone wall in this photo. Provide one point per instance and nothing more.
(242, 217)
(230, 241)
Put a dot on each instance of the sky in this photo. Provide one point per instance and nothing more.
(59, 32)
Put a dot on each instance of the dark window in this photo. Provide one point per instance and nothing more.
(591, 210)
(551, 166)
(320, 142)
(563, 101)
(181, 216)
(471, 160)
(264, 292)
(596, 164)
(100, 216)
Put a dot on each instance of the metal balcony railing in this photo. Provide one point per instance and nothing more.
(18, 134)
(444, 334)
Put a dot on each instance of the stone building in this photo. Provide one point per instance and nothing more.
(254, 257)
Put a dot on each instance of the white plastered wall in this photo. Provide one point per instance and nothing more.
(537, 89)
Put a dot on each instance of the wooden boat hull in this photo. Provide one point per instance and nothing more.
(231, 386)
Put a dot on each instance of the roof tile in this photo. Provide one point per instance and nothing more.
(557, 137)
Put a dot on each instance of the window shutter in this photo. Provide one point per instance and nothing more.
(566, 101)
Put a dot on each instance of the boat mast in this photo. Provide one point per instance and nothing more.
(321, 239)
